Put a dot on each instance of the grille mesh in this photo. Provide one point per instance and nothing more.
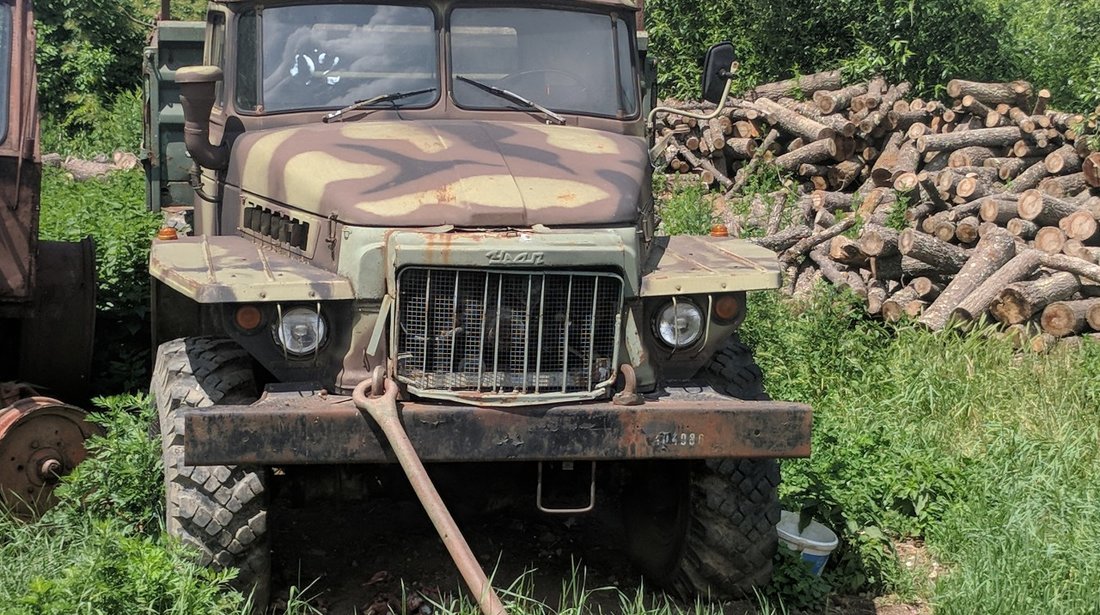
(506, 332)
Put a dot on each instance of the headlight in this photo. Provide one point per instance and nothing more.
(300, 331)
(680, 324)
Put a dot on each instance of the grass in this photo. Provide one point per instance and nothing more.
(986, 453)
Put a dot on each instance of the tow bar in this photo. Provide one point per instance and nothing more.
(382, 407)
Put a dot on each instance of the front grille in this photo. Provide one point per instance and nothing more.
(507, 336)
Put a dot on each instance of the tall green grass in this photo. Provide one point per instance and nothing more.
(987, 453)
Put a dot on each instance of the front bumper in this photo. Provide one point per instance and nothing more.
(694, 423)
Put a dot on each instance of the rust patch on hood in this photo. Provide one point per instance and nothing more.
(463, 173)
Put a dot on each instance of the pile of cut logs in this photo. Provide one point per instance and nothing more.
(988, 205)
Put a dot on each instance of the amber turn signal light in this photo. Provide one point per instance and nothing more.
(248, 317)
(719, 230)
(727, 308)
(167, 234)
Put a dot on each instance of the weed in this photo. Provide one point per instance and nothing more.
(686, 211)
(896, 218)
(118, 480)
(111, 210)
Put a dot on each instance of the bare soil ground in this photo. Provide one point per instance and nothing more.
(377, 557)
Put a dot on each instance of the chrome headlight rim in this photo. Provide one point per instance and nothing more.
(296, 342)
(667, 329)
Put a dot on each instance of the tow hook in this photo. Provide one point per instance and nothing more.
(629, 395)
(380, 402)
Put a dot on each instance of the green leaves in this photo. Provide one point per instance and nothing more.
(1053, 44)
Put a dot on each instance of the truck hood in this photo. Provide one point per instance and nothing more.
(428, 173)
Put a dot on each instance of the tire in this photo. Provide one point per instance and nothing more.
(221, 511)
(707, 529)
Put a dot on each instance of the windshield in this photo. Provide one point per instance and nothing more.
(332, 55)
(5, 65)
(564, 60)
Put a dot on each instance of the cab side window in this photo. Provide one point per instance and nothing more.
(215, 50)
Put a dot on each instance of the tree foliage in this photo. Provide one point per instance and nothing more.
(1054, 45)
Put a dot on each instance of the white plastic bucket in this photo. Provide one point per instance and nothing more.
(815, 543)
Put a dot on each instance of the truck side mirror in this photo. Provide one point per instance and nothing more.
(716, 71)
(197, 91)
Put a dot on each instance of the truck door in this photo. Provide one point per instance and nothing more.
(19, 157)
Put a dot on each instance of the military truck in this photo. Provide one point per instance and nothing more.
(424, 232)
(47, 298)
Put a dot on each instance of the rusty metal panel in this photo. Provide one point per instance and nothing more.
(317, 430)
(19, 159)
(697, 265)
(233, 269)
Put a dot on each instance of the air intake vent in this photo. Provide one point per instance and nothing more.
(278, 227)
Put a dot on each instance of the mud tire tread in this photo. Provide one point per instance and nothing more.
(221, 511)
(730, 538)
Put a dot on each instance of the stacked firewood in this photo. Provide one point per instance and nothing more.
(989, 205)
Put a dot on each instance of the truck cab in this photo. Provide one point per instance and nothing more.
(453, 199)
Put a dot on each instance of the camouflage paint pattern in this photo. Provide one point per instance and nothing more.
(430, 172)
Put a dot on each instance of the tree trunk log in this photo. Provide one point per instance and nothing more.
(998, 211)
(1077, 266)
(818, 151)
(1064, 318)
(805, 85)
(966, 230)
(926, 288)
(1030, 178)
(926, 248)
(1064, 185)
(1093, 317)
(990, 93)
(1043, 209)
(795, 123)
(1091, 168)
(893, 309)
(1050, 239)
(985, 137)
(1011, 167)
(876, 240)
(784, 239)
(792, 254)
(1018, 302)
(1024, 229)
(990, 255)
(838, 100)
(1080, 225)
(1063, 161)
(844, 250)
(1019, 268)
(974, 156)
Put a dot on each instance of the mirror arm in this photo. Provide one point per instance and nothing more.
(698, 116)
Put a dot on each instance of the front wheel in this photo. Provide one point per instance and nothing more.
(707, 528)
(219, 510)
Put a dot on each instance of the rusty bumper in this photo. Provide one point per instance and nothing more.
(288, 430)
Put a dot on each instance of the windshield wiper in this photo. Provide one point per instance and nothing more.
(512, 96)
(374, 100)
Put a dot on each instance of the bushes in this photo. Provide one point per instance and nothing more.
(112, 211)
(101, 551)
(1054, 45)
(89, 58)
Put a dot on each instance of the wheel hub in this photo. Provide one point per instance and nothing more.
(41, 440)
